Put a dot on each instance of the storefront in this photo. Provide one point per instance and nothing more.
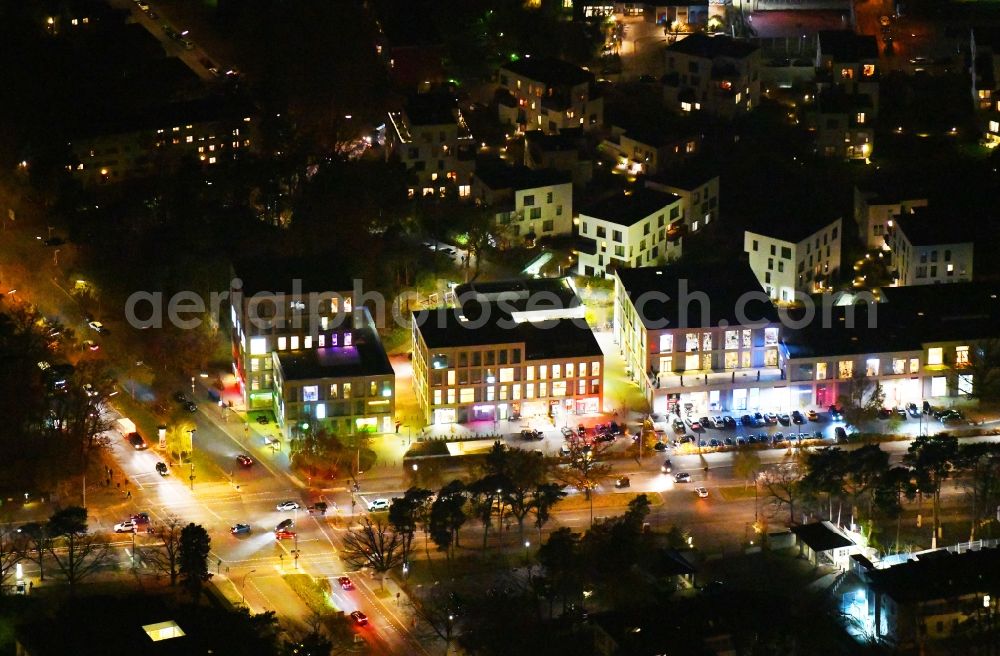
(588, 406)
(445, 416)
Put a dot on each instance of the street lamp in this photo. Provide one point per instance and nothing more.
(243, 587)
(527, 545)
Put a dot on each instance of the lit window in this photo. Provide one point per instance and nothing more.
(295, 342)
(464, 190)
(282, 343)
(995, 126)
(770, 336)
(961, 356)
(861, 117)
(820, 371)
(347, 339)
(898, 366)
(310, 393)
(211, 160)
(845, 368)
(307, 341)
(666, 343)
(868, 70)
(188, 139)
(914, 365)
(346, 387)
(320, 411)
(935, 356)
(871, 367)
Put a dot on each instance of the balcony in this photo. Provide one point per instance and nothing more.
(700, 380)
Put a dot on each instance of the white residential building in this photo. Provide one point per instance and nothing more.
(550, 95)
(874, 213)
(716, 75)
(631, 230)
(929, 247)
(528, 203)
(699, 193)
(800, 257)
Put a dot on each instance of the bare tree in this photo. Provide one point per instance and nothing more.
(10, 553)
(77, 553)
(585, 471)
(165, 556)
(781, 483)
(436, 613)
(34, 544)
(374, 545)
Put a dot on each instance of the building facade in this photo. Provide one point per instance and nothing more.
(928, 249)
(699, 194)
(874, 213)
(639, 229)
(529, 203)
(787, 264)
(550, 95)
(716, 75)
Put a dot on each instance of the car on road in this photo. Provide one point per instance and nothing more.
(378, 504)
(605, 436)
(137, 442)
(98, 326)
(701, 492)
(951, 417)
(262, 419)
(812, 415)
(622, 482)
(567, 432)
(91, 345)
(244, 460)
(318, 507)
(191, 406)
(288, 505)
(682, 477)
(345, 583)
(161, 469)
(240, 529)
(284, 525)
(284, 535)
(531, 434)
(913, 410)
(667, 466)
(835, 414)
(127, 526)
(900, 412)
(359, 618)
(180, 397)
(798, 417)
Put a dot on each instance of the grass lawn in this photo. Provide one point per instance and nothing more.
(312, 593)
(604, 501)
(736, 492)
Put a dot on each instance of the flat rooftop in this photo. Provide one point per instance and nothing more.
(927, 226)
(939, 575)
(435, 108)
(908, 318)
(520, 294)
(628, 209)
(710, 47)
(558, 338)
(365, 357)
(278, 274)
(846, 46)
(792, 230)
(497, 174)
(690, 296)
(549, 71)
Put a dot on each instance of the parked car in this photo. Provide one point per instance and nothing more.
(900, 412)
(567, 432)
(137, 442)
(161, 469)
(619, 429)
(778, 438)
(798, 417)
(284, 525)
(784, 419)
(244, 460)
(262, 419)
(746, 420)
(359, 618)
(667, 466)
(678, 426)
(127, 526)
(751, 439)
(758, 419)
(812, 415)
(531, 434)
(240, 529)
(99, 327)
(605, 436)
(728, 422)
(91, 345)
(715, 422)
(284, 535)
(913, 410)
(318, 507)
(660, 446)
(884, 413)
(191, 406)
(288, 505)
(714, 443)
(140, 519)
(378, 505)
(701, 492)
(622, 482)
(697, 426)
(728, 441)
(345, 583)
(705, 422)
(770, 419)
(682, 477)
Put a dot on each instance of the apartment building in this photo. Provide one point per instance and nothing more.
(698, 341)
(566, 151)
(135, 144)
(550, 95)
(634, 229)
(716, 75)
(529, 204)
(698, 191)
(679, 15)
(842, 125)
(647, 149)
(803, 256)
(297, 340)
(495, 360)
(918, 344)
(930, 246)
(874, 212)
(433, 142)
(848, 61)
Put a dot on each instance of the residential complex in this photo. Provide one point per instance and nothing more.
(630, 230)
(650, 149)
(698, 191)
(550, 95)
(801, 256)
(930, 246)
(433, 142)
(698, 341)
(486, 361)
(875, 210)
(716, 75)
(301, 349)
(529, 204)
(847, 98)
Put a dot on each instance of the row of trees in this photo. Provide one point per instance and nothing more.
(65, 542)
(863, 483)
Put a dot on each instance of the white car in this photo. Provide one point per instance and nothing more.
(127, 526)
(288, 505)
(717, 422)
(378, 504)
(701, 492)
(96, 325)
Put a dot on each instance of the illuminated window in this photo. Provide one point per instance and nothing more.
(685, 107)
(732, 339)
(691, 342)
(557, 371)
(307, 341)
(914, 365)
(706, 342)
(559, 388)
(861, 117)
(295, 342)
(770, 336)
(845, 368)
(310, 393)
(211, 160)
(189, 139)
(847, 73)
(464, 190)
(543, 389)
(451, 377)
(871, 367)
(334, 391)
(732, 359)
(739, 97)
(506, 374)
(320, 411)
(529, 391)
(347, 390)
(321, 340)
(282, 343)
(437, 397)
(666, 343)
(595, 368)
(898, 366)
(965, 384)
(347, 339)
(868, 70)
(961, 356)
(543, 372)
(569, 370)
(994, 126)
(820, 371)
(531, 372)
(935, 356)
(939, 386)
(258, 345)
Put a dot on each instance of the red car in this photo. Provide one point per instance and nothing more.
(244, 460)
(359, 618)
(345, 583)
(284, 535)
